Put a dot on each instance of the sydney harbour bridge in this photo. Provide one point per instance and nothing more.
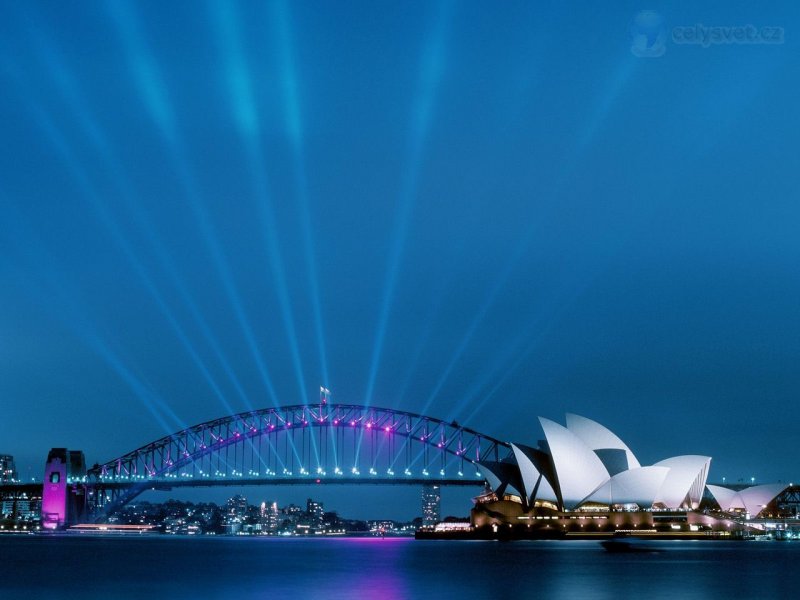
(299, 444)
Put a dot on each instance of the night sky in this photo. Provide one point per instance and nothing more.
(477, 211)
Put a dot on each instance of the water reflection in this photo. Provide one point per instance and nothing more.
(391, 568)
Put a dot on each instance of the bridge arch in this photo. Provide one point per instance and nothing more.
(336, 443)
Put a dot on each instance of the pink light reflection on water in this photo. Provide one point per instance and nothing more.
(385, 580)
(376, 569)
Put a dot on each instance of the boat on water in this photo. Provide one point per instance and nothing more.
(630, 545)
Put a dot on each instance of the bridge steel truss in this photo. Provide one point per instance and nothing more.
(337, 443)
(788, 501)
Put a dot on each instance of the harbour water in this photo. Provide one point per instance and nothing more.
(85, 567)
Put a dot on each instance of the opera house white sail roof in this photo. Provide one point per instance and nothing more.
(685, 481)
(578, 469)
(604, 442)
(586, 463)
(637, 486)
(752, 499)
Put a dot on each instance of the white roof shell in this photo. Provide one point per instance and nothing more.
(756, 498)
(598, 437)
(752, 499)
(531, 476)
(497, 475)
(727, 498)
(578, 469)
(686, 481)
(635, 486)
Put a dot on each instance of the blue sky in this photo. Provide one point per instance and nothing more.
(482, 212)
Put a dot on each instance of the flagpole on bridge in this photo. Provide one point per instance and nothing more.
(324, 396)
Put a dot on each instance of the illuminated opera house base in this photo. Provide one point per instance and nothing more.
(493, 518)
(583, 481)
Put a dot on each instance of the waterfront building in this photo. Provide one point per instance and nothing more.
(315, 512)
(292, 511)
(431, 502)
(381, 526)
(268, 516)
(236, 508)
(235, 514)
(21, 507)
(750, 500)
(583, 464)
(582, 468)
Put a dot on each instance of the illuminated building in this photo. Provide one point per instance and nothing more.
(584, 464)
(8, 472)
(315, 512)
(268, 515)
(21, 507)
(431, 501)
(582, 468)
(236, 508)
(750, 500)
(235, 513)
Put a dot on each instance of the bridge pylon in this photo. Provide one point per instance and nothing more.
(64, 491)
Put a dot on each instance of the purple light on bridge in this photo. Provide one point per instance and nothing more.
(54, 490)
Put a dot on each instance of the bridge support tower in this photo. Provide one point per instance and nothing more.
(63, 488)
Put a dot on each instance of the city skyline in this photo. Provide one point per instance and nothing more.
(481, 216)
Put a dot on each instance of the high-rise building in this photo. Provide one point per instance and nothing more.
(431, 501)
(315, 513)
(236, 509)
(235, 514)
(8, 472)
(269, 517)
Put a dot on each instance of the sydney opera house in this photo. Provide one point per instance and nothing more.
(582, 468)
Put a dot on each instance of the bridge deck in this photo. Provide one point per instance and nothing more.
(245, 482)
